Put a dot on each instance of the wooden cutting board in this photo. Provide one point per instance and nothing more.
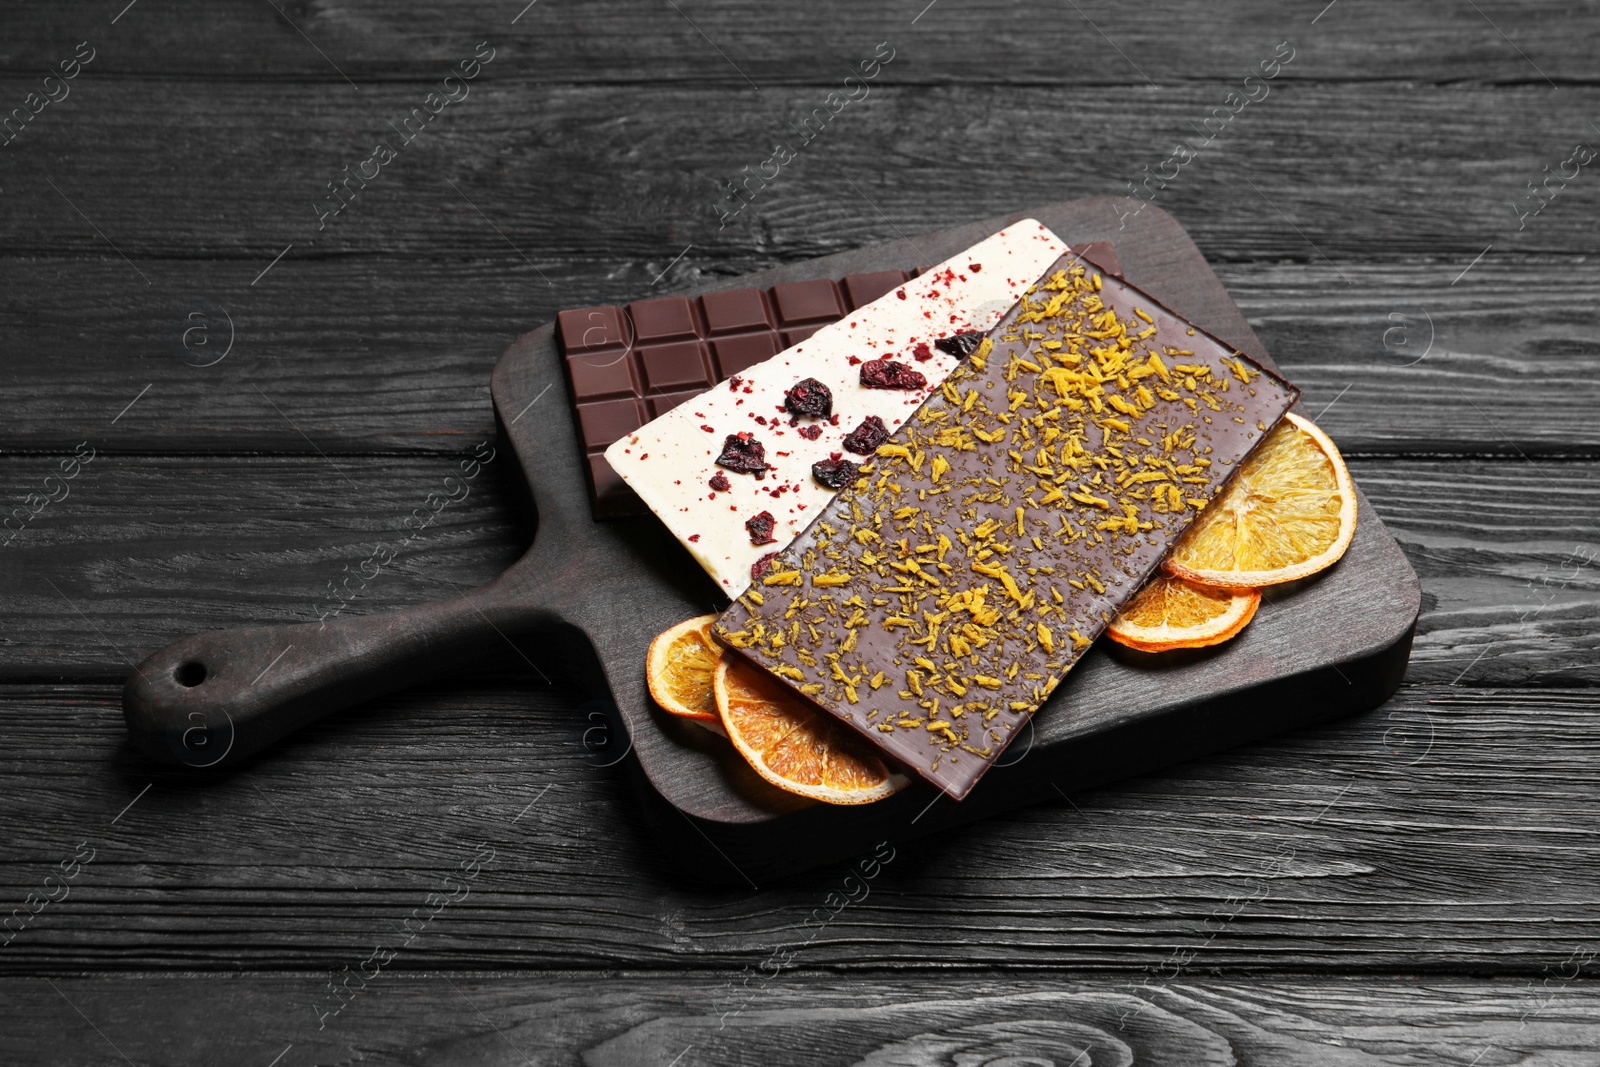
(1334, 645)
(600, 591)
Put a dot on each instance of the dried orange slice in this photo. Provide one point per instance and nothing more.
(1289, 512)
(1171, 613)
(679, 668)
(794, 746)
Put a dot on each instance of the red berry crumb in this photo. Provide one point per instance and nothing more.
(759, 567)
(961, 345)
(922, 352)
(760, 528)
(811, 433)
(743, 454)
(720, 483)
(886, 374)
(835, 472)
(809, 398)
(865, 439)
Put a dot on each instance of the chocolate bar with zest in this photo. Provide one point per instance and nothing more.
(936, 602)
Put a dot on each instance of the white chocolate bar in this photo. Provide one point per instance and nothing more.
(671, 461)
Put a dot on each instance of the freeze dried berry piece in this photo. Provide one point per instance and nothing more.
(922, 353)
(720, 483)
(809, 397)
(960, 345)
(865, 439)
(759, 567)
(887, 374)
(760, 528)
(743, 454)
(835, 472)
(810, 433)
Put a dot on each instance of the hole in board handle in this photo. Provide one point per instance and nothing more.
(190, 674)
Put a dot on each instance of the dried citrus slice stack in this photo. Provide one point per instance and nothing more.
(794, 746)
(679, 667)
(1289, 512)
(1171, 613)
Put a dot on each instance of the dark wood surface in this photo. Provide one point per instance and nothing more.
(1439, 902)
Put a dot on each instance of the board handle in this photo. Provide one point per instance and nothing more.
(218, 698)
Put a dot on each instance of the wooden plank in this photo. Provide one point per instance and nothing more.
(738, 1019)
(1320, 155)
(152, 549)
(614, 41)
(1507, 557)
(135, 560)
(89, 333)
(1454, 829)
(1402, 360)
(357, 356)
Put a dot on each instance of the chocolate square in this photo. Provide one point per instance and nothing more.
(737, 311)
(607, 421)
(814, 301)
(612, 495)
(668, 368)
(735, 354)
(863, 289)
(592, 329)
(800, 333)
(660, 405)
(666, 319)
(602, 374)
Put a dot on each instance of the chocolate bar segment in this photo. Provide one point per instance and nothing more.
(862, 289)
(670, 318)
(664, 351)
(736, 311)
(598, 376)
(807, 302)
(936, 602)
(736, 354)
(599, 329)
(676, 366)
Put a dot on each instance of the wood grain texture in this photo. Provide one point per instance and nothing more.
(1491, 376)
(736, 1019)
(1452, 830)
(1398, 145)
(615, 41)
(1322, 156)
(154, 548)
(1342, 234)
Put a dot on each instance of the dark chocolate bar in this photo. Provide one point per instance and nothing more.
(938, 600)
(626, 366)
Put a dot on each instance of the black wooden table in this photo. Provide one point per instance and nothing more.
(221, 387)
